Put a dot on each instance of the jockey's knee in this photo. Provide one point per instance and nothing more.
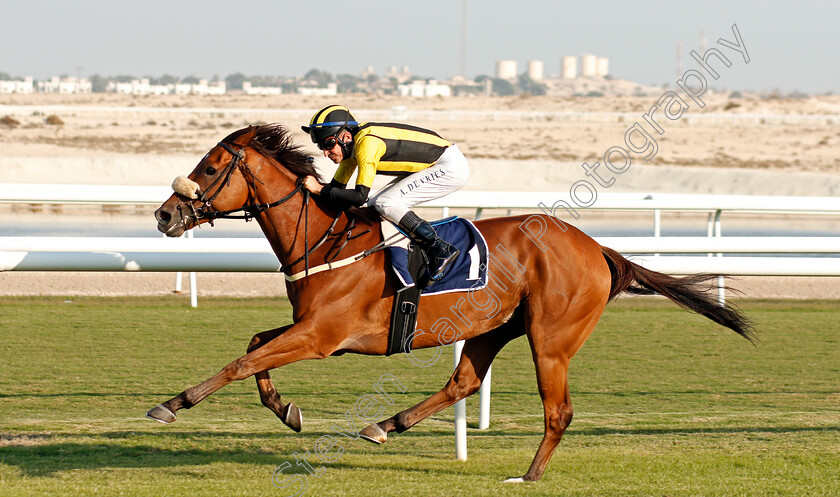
(380, 208)
(393, 211)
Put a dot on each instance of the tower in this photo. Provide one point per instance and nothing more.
(679, 60)
(464, 38)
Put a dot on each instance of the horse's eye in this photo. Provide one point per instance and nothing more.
(210, 171)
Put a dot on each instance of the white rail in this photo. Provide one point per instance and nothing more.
(255, 255)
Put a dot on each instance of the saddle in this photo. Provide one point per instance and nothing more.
(467, 273)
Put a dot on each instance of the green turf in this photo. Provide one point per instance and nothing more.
(666, 403)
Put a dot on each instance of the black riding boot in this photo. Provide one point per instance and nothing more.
(439, 253)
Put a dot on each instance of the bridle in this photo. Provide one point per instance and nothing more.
(248, 211)
(254, 208)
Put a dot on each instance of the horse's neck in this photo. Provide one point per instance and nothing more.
(284, 225)
(295, 227)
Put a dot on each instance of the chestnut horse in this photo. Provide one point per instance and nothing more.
(552, 288)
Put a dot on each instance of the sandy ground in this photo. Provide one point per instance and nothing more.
(759, 146)
(72, 284)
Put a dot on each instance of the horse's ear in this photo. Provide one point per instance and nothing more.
(245, 138)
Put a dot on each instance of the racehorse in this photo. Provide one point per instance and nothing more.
(551, 288)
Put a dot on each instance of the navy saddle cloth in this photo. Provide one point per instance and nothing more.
(468, 272)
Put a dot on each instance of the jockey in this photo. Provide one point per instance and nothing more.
(425, 165)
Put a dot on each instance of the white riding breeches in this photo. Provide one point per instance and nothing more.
(449, 173)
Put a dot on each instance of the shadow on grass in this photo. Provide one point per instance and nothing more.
(35, 456)
(47, 459)
(39, 455)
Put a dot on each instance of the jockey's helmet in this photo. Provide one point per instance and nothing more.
(330, 121)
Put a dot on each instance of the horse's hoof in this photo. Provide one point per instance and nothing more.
(293, 418)
(518, 479)
(161, 414)
(373, 433)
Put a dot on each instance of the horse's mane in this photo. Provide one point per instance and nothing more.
(275, 141)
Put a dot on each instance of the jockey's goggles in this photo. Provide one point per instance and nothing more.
(327, 143)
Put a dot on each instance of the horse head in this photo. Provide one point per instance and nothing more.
(226, 179)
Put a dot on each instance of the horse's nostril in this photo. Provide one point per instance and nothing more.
(162, 216)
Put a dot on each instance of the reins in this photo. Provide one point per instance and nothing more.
(255, 208)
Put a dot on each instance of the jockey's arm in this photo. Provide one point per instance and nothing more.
(338, 194)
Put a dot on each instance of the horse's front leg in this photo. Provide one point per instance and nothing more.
(298, 342)
(289, 414)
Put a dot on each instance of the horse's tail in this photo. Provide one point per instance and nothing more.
(691, 292)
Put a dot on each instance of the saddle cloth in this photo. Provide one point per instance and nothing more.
(469, 271)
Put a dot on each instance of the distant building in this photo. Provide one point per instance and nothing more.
(368, 72)
(65, 85)
(424, 89)
(249, 89)
(138, 87)
(214, 88)
(400, 75)
(588, 65)
(17, 86)
(603, 67)
(569, 70)
(535, 70)
(201, 88)
(331, 89)
(144, 87)
(506, 69)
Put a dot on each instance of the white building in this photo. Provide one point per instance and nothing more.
(569, 67)
(17, 86)
(424, 89)
(201, 88)
(603, 67)
(330, 90)
(535, 70)
(368, 72)
(588, 65)
(182, 88)
(250, 89)
(118, 87)
(65, 85)
(506, 69)
(400, 75)
(205, 88)
(139, 87)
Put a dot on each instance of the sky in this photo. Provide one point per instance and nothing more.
(792, 45)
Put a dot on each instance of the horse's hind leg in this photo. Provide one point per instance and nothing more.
(476, 358)
(557, 406)
(552, 349)
(289, 414)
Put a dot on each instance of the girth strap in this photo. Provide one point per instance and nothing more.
(406, 306)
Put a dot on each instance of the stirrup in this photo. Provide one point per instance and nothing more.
(440, 272)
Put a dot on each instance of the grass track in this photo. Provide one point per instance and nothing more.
(666, 403)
